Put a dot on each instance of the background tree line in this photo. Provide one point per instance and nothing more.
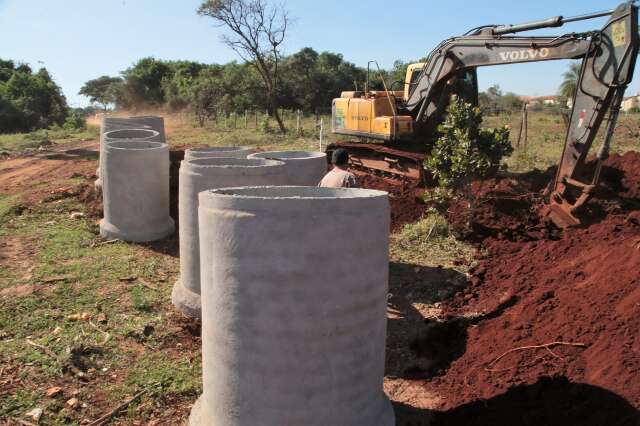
(308, 80)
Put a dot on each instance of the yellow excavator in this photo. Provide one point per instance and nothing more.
(398, 125)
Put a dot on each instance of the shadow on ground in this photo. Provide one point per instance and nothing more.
(74, 154)
(418, 347)
(548, 402)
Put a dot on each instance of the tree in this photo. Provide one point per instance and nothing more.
(29, 100)
(464, 150)
(257, 31)
(101, 90)
(143, 82)
(570, 80)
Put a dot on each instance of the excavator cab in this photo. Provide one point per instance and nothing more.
(377, 114)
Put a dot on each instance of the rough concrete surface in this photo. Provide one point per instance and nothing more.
(197, 175)
(110, 124)
(294, 299)
(217, 151)
(136, 191)
(304, 168)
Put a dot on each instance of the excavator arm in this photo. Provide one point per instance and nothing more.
(608, 61)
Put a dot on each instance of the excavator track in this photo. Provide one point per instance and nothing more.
(380, 159)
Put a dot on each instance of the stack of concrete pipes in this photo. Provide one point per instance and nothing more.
(264, 168)
(293, 327)
(281, 308)
(134, 177)
(113, 129)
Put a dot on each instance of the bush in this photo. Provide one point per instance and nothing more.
(75, 121)
(464, 150)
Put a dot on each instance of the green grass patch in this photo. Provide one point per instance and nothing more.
(17, 404)
(162, 376)
(429, 242)
(7, 205)
(19, 142)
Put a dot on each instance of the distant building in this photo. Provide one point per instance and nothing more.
(540, 100)
(631, 102)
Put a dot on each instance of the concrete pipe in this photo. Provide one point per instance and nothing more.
(142, 122)
(136, 191)
(293, 322)
(122, 135)
(109, 124)
(217, 151)
(305, 168)
(198, 175)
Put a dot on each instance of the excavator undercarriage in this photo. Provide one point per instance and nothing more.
(406, 120)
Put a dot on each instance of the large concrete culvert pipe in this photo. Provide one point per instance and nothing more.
(294, 298)
(217, 152)
(198, 175)
(109, 124)
(136, 191)
(304, 168)
(122, 135)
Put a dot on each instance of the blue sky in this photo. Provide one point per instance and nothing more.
(78, 40)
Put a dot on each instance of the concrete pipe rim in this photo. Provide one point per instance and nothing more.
(231, 163)
(137, 145)
(130, 134)
(303, 193)
(217, 149)
(289, 155)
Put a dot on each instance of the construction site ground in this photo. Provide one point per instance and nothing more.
(494, 317)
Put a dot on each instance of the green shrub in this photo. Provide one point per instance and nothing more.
(75, 121)
(464, 150)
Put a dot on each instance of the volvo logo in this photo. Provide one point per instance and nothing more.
(524, 55)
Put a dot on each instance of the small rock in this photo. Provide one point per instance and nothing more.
(73, 403)
(57, 330)
(130, 278)
(54, 391)
(35, 414)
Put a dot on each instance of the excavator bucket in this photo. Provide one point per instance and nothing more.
(559, 214)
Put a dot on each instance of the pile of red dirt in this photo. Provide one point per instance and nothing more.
(404, 198)
(549, 312)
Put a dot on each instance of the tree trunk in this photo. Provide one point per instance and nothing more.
(276, 114)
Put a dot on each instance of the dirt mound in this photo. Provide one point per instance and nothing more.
(564, 305)
(622, 173)
(504, 208)
(404, 198)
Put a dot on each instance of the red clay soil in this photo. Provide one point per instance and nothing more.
(577, 291)
(404, 198)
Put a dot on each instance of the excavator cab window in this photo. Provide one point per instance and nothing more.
(465, 85)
